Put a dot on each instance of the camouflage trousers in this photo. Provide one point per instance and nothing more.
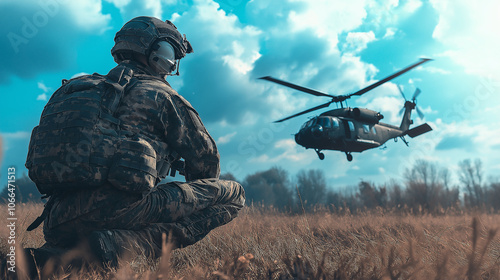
(188, 211)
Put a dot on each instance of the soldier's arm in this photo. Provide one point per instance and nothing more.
(187, 135)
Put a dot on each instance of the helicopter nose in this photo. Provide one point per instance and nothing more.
(317, 130)
(297, 138)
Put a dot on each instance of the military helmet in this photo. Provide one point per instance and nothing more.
(139, 35)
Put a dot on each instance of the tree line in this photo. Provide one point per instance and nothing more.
(426, 187)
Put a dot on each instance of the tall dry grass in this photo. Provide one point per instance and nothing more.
(269, 245)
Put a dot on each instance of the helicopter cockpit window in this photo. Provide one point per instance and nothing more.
(309, 123)
(374, 131)
(351, 126)
(335, 123)
(366, 128)
(325, 122)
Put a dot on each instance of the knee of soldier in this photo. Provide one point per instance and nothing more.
(237, 192)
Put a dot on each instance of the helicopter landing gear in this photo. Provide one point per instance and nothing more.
(320, 154)
(349, 156)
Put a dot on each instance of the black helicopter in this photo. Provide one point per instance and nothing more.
(353, 129)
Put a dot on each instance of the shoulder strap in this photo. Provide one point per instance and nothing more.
(119, 77)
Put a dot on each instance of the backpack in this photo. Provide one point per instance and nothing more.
(79, 143)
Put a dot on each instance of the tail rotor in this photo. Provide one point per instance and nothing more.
(413, 100)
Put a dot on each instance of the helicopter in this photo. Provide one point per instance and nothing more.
(349, 129)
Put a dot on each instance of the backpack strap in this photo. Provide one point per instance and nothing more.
(45, 213)
(119, 77)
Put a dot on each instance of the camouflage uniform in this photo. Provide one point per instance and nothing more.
(153, 110)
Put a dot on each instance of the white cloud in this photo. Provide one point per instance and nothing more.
(357, 41)
(433, 70)
(382, 14)
(45, 89)
(468, 29)
(42, 97)
(287, 152)
(238, 60)
(389, 32)
(130, 9)
(292, 152)
(15, 135)
(226, 138)
(389, 107)
(219, 32)
(88, 14)
(225, 50)
(328, 18)
(411, 6)
(262, 159)
(12, 137)
(119, 3)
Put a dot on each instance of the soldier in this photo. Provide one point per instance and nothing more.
(122, 209)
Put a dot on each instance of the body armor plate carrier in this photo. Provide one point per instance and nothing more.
(79, 144)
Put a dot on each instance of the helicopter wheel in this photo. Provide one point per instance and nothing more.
(320, 155)
(349, 156)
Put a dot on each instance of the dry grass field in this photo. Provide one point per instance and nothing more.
(268, 245)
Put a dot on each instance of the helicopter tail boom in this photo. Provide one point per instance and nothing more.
(406, 121)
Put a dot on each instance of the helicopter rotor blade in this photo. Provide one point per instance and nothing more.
(306, 111)
(401, 91)
(416, 94)
(401, 111)
(420, 114)
(374, 85)
(297, 87)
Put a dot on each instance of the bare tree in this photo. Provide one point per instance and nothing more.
(428, 186)
(471, 177)
(370, 196)
(312, 187)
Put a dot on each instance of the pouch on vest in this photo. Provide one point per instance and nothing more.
(133, 168)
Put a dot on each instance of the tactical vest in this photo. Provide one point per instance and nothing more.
(79, 144)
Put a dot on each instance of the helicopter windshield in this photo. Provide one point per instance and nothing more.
(328, 122)
(309, 123)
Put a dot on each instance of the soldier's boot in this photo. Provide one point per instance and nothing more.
(36, 258)
(104, 247)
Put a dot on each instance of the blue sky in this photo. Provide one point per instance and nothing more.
(333, 46)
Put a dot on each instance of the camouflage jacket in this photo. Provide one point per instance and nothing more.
(152, 109)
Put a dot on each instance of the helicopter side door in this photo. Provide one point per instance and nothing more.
(349, 129)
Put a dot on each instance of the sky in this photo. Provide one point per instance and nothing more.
(333, 46)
